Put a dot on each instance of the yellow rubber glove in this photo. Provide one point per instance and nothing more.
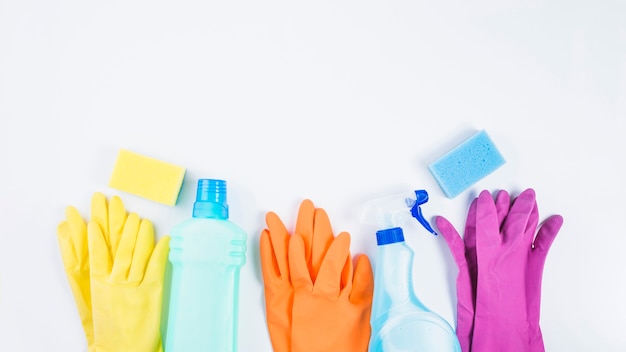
(111, 217)
(72, 238)
(127, 286)
(331, 304)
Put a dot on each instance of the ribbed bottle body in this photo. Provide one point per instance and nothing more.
(205, 259)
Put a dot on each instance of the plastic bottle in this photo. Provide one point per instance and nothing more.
(206, 255)
(399, 320)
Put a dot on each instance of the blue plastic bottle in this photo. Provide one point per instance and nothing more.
(399, 321)
(206, 255)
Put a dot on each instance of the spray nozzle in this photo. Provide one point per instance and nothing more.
(421, 198)
(393, 211)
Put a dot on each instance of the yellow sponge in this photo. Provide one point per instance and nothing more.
(147, 177)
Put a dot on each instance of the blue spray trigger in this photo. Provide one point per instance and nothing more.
(421, 197)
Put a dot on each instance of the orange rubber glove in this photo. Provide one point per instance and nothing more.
(333, 300)
(275, 268)
(328, 306)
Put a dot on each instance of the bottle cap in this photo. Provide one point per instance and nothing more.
(211, 199)
(389, 236)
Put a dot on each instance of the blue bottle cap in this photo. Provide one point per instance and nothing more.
(211, 200)
(389, 236)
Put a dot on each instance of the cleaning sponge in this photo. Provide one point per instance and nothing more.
(147, 177)
(466, 164)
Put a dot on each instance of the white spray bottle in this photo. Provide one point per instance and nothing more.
(399, 320)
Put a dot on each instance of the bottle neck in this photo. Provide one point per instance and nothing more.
(394, 273)
(210, 210)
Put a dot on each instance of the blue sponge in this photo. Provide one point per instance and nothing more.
(466, 164)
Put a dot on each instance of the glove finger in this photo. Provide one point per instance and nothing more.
(363, 282)
(329, 278)
(322, 238)
(76, 264)
(536, 261)
(520, 217)
(347, 275)
(469, 238)
(72, 234)
(466, 286)
(75, 222)
(453, 240)
(99, 256)
(304, 226)
(503, 204)
(68, 252)
(100, 213)
(278, 240)
(487, 224)
(546, 235)
(117, 219)
(110, 217)
(298, 269)
(143, 250)
(270, 267)
(155, 270)
(464, 254)
(124, 255)
(278, 291)
(531, 226)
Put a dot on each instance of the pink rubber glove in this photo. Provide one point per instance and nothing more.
(510, 266)
(464, 254)
(534, 275)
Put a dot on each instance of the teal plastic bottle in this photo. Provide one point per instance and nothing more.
(399, 320)
(206, 255)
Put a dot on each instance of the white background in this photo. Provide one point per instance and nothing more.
(336, 101)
